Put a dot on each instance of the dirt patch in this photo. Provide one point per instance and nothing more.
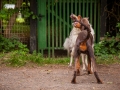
(57, 77)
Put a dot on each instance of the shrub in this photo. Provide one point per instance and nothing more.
(7, 45)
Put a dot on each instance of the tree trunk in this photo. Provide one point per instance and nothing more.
(12, 20)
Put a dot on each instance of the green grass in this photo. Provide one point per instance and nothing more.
(108, 59)
(19, 58)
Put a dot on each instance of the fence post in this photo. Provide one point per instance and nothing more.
(33, 27)
(41, 25)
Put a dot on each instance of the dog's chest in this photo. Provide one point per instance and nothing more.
(75, 31)
(73, 36)
(83, 47)
(82, 35)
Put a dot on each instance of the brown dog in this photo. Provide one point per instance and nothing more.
(84, 45)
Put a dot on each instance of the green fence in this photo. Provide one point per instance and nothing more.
(55, 23)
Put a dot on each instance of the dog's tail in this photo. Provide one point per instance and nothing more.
(66, 44)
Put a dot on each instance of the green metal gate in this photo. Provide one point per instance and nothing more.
(55, 23)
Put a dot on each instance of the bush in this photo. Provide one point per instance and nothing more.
(109, 45)
(7, 45)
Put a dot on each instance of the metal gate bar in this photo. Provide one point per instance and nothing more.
(59, 24)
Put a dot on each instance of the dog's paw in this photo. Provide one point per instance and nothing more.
(90, 72)
(99, 82)
(73, 81)
(84, 69)
(70, 66)
(78, 73)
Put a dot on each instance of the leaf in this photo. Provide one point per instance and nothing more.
(118, 25)
(33, 17)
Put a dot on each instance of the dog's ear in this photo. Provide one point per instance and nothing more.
(71, 15)
(87, 18)
(79, 17)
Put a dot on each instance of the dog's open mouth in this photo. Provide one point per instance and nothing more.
(76, 24)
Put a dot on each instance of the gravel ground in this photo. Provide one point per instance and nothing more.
(57, 77)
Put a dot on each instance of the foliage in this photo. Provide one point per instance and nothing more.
(113, 16)
(5, 13)
(118, 25)
(20, 58)
(108, 48)
(7, 45)
(108, 59)
(14, 53)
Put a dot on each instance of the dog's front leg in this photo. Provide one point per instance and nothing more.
(76, 71)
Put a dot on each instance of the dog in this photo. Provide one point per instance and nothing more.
(84, 44)
(70, 43)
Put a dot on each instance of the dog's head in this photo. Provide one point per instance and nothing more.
(76, 20)
(77, 24)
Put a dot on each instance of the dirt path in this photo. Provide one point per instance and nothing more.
(57, 77)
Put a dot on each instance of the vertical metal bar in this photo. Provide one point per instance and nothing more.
(68, 12)
(56, 12)
(72, 6)
(64, 19)
(42, 51)
(75, 3)
(91, 18)
(60, 12)
(52, 29)
(41, 25)
(95, 16)
(68, 18)
(87, 8)
(79, 9)
(83, 11)
(71, 3)
(98, 30)
(48, 7)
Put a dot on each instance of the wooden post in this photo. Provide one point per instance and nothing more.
(33, 27)
(103, 18)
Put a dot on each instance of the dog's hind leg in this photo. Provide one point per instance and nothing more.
(95, 71)
(77, 63)
(76, 71)
(91, 58)
(71, 57)
(89, 65)
(84, 62)
(71, 61)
